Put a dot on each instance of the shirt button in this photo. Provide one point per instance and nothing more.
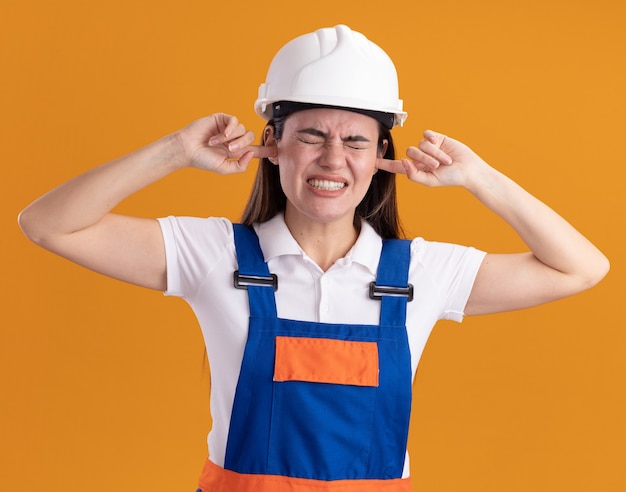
(324, 308)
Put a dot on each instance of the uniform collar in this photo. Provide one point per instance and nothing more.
(276, 240)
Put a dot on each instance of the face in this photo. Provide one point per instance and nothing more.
(326, 160)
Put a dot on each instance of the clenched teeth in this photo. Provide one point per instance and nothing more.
(323, 184)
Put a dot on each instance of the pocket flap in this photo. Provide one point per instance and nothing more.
(326, 360)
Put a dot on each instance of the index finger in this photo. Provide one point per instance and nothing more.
(389, 165)
(258, 151)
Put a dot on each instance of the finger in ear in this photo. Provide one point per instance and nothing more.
(270, 141)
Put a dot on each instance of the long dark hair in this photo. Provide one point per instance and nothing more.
(379, 206)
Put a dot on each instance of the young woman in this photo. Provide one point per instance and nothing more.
(314, 312)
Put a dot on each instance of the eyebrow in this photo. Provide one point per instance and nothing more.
(318, 133)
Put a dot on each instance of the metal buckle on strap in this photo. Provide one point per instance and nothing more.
(378, 291)
(243, 281)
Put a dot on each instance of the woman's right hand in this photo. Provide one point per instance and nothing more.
(219, 143)
(74, 220)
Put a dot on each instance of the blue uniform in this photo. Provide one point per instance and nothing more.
(294, 418)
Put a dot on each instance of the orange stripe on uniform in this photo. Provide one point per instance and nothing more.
(325, 360)
(217, 479)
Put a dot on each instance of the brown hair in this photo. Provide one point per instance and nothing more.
(379, 206)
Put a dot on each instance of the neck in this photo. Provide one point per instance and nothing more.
(323, 242)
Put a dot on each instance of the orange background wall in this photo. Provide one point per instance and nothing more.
(103, 386)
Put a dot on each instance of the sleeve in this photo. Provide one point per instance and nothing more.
(193, 246)
(450, 271)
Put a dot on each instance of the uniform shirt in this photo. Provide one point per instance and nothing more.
(201, 259)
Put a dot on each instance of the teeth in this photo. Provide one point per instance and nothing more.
(322, 184)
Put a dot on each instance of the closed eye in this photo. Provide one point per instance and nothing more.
(356, 145)
(312, 136)
(310, 141)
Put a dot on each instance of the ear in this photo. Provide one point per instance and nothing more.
(382, 152)
(383, 148)
(270, 141)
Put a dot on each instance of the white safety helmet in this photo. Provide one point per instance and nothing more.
(335, 67)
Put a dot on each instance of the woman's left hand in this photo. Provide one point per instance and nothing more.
(438, 160)
(561, 261)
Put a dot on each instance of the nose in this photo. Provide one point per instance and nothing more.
(333, 156)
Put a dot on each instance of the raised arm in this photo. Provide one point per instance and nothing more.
(75, 221)
(561, 261)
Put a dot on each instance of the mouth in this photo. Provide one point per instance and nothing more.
(325, 185)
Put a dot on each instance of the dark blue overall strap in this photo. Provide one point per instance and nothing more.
(392, 285)
(253, 273)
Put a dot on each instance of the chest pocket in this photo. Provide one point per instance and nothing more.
(324, 360)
